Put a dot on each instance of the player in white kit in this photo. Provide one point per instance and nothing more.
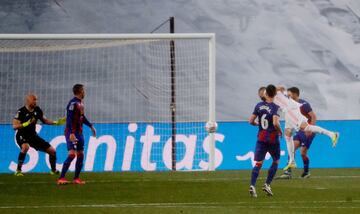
(295, 121)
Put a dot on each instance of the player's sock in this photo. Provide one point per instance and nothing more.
(255, 173)
(271, 173)
(52, 160)
(306, 164)
(21, 160)
(66, 165)
(79, 165)
(318, 129)
(290, 148)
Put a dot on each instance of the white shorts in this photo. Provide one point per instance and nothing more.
(294, 119)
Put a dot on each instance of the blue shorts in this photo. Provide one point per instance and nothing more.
(262, 148)
(77, 146)
(305, 141)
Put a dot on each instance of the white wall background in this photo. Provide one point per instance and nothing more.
(312, 44)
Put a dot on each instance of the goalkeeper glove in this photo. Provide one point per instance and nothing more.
(27, 123)
(60, 121)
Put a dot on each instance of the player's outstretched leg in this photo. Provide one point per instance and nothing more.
(66, 165)
(334, 136)
(335, 139)
(78, 167)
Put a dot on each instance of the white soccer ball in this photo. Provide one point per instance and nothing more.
(211, 127)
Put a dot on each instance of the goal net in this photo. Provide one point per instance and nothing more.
(149, 96)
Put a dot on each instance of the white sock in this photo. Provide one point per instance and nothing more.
(318, 129)
(290, 147)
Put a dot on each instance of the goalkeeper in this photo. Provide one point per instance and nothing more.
(25, 125)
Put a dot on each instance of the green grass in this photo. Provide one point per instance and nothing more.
(327, 191)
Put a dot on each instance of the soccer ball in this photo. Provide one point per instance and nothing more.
(211, 127)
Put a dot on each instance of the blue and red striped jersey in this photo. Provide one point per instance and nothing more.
(75, 117)
(265, 112)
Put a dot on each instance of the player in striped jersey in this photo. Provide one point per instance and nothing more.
(266, 112)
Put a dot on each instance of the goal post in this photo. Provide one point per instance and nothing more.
(129, 82)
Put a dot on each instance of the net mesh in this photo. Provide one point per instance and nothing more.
(128, 96)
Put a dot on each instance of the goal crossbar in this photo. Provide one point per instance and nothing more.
(108, 36)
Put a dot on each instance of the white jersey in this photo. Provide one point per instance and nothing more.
(291, 109)
(285, 103)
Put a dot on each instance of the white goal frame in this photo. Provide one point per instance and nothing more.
(212, 59)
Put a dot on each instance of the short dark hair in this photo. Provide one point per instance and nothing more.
(271, 90)
(77, 88)
(294, 90)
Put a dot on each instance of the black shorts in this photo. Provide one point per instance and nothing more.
(34, 141)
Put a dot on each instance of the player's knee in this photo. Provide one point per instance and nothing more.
(25, 147)
(303, 126)
(51, 151)
(275, 162)
(288, 133)
(258, 164)
(71, 156)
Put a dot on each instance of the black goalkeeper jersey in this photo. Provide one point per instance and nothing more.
(23, 115)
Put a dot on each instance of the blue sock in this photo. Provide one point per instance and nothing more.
(66, 165)
(306, 164)
(79, 165)
(255, 174)
(271, 173)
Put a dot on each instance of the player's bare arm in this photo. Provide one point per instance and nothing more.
(312, 118)
(276, 121)
(252, 120)
(93, 130)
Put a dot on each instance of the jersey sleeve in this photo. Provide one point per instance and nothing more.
(306, 107)
(277, 110)
(19, 115)
(40, 115)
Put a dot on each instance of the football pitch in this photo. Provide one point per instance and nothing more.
(327, 191)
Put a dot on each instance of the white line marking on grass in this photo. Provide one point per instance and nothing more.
(120, 180)
(185, 179)
(194, 205)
